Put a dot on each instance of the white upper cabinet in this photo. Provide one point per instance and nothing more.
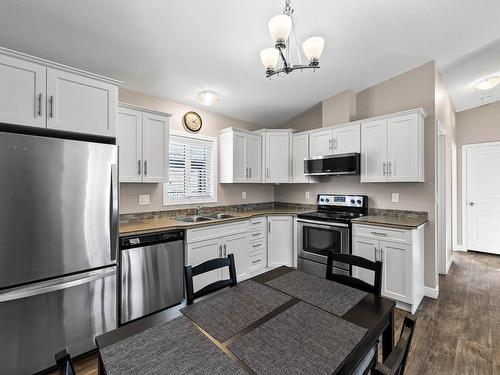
(155, 147)
(240, 156)
(80, 104)
(35, 92)
(22, 92)
(277, 156)
(142, 138)
(392, 148)
(341, 139)
(300, 151)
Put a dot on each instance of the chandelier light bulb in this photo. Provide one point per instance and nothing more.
(207, 97)
(269, 57)
(313, 48)
(279, 27)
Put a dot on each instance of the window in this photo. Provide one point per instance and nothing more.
(192, 166)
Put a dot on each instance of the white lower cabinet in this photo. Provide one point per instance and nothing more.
(258, 245)
(279, 241)
(200, 252)
(238, 245)
(401, 252)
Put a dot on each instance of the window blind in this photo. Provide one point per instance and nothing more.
(191, 170)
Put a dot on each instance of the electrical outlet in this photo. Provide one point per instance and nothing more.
(244, 195)
(395, 197)
(308, 195)
(144, 199)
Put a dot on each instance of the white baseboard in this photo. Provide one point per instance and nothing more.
(450, 261)
(431, 292)
(459, 248)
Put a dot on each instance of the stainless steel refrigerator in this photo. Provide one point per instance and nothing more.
(58, 247)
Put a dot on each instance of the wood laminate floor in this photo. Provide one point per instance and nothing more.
(458, 334)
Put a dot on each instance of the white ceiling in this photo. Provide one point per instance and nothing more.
(173, 49)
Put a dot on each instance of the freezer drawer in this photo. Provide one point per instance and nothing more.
(151, 279)
(38, 320)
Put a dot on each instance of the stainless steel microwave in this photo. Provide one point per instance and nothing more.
(333, 165)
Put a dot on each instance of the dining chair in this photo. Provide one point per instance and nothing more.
(351, 281)
(209, 265)
(395, 364)
(64, 363)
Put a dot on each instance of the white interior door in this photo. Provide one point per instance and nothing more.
(483, 198)
(129, 140)
(320, 143)
(22, 92)
(374, 151)
(155, 147)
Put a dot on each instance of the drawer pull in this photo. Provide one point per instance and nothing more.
(256, 234)
(379, 234)
(256, 261)
(256, 222)
(258, 245)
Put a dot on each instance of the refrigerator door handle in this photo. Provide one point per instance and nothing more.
(54, 285)
(113, 212)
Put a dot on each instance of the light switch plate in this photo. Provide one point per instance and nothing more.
(144, 199)
(244, 195)
(395, 197)
(308, 195)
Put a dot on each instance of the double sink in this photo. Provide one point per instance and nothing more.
(201, 218)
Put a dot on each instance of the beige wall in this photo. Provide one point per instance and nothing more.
(413, 89)
(340, 108)
(476, 125)
(212, 123)
(307, 120)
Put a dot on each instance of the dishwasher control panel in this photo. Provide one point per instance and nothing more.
(151, 239)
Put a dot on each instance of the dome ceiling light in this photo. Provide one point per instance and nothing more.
(280, 27)
(488, 83)
(207, 97)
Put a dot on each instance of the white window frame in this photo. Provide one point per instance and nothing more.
(166, 200)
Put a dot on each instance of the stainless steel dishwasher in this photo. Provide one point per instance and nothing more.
(151, 268)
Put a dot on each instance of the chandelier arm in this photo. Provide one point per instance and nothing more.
(274, 72)
(285, 63)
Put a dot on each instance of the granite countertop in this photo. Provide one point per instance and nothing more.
(405, 222)
(168, 223)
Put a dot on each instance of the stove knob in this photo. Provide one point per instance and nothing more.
(359, 201)
(328, 200)
(322, 200)
(353, 201)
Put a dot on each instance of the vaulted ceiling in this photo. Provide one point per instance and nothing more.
(174, 49)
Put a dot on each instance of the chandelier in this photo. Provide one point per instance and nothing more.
(280, 28)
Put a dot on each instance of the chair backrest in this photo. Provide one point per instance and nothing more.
(209, 265)
(395, 364)
(64, 363)
(357, 261)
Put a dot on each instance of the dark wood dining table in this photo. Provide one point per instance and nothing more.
(375, 314)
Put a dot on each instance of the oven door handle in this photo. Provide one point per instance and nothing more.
(323, 224)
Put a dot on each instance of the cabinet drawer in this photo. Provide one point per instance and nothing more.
(215, 231)
(257, 262)
(258, 246)
(258, 223)
(257, 234)
(382, 233)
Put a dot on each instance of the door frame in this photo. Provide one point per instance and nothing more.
(465, 149)
(454, 198)
(443, 264)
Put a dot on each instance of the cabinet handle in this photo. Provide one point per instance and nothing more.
(269, 227)
(384, 168)
(330, 144)
(225, 251)
(268, 173)
(145, 167)
(389, 172)
(256, 234)
(375, 251)
(334, 143)
(138, 167)
(220, 251)
(250, 170)
(39, 102)
(379, 234)
(258, 245)
(51, 102)
(381, 254)
(256, 261)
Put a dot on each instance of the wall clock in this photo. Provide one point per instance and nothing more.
(192, 121)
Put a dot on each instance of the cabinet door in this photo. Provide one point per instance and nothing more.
(347, 139)
(300, 151)
(238, 245)
(199, 252)
(396, 271)
(279, 241)
(239, 157)
(320, 143)
(129, 140)
(22, 92)
(403, 148)
(374, 151)
(253, 154)
(277, 157)
(80, 104)
(154, 147)
(366, 248)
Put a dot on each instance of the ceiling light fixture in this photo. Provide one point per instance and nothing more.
(488, 83)
(280, 28)
(207, 97)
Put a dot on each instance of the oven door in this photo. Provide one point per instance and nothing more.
(315, 239)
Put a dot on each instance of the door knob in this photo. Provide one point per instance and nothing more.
(471, 204)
